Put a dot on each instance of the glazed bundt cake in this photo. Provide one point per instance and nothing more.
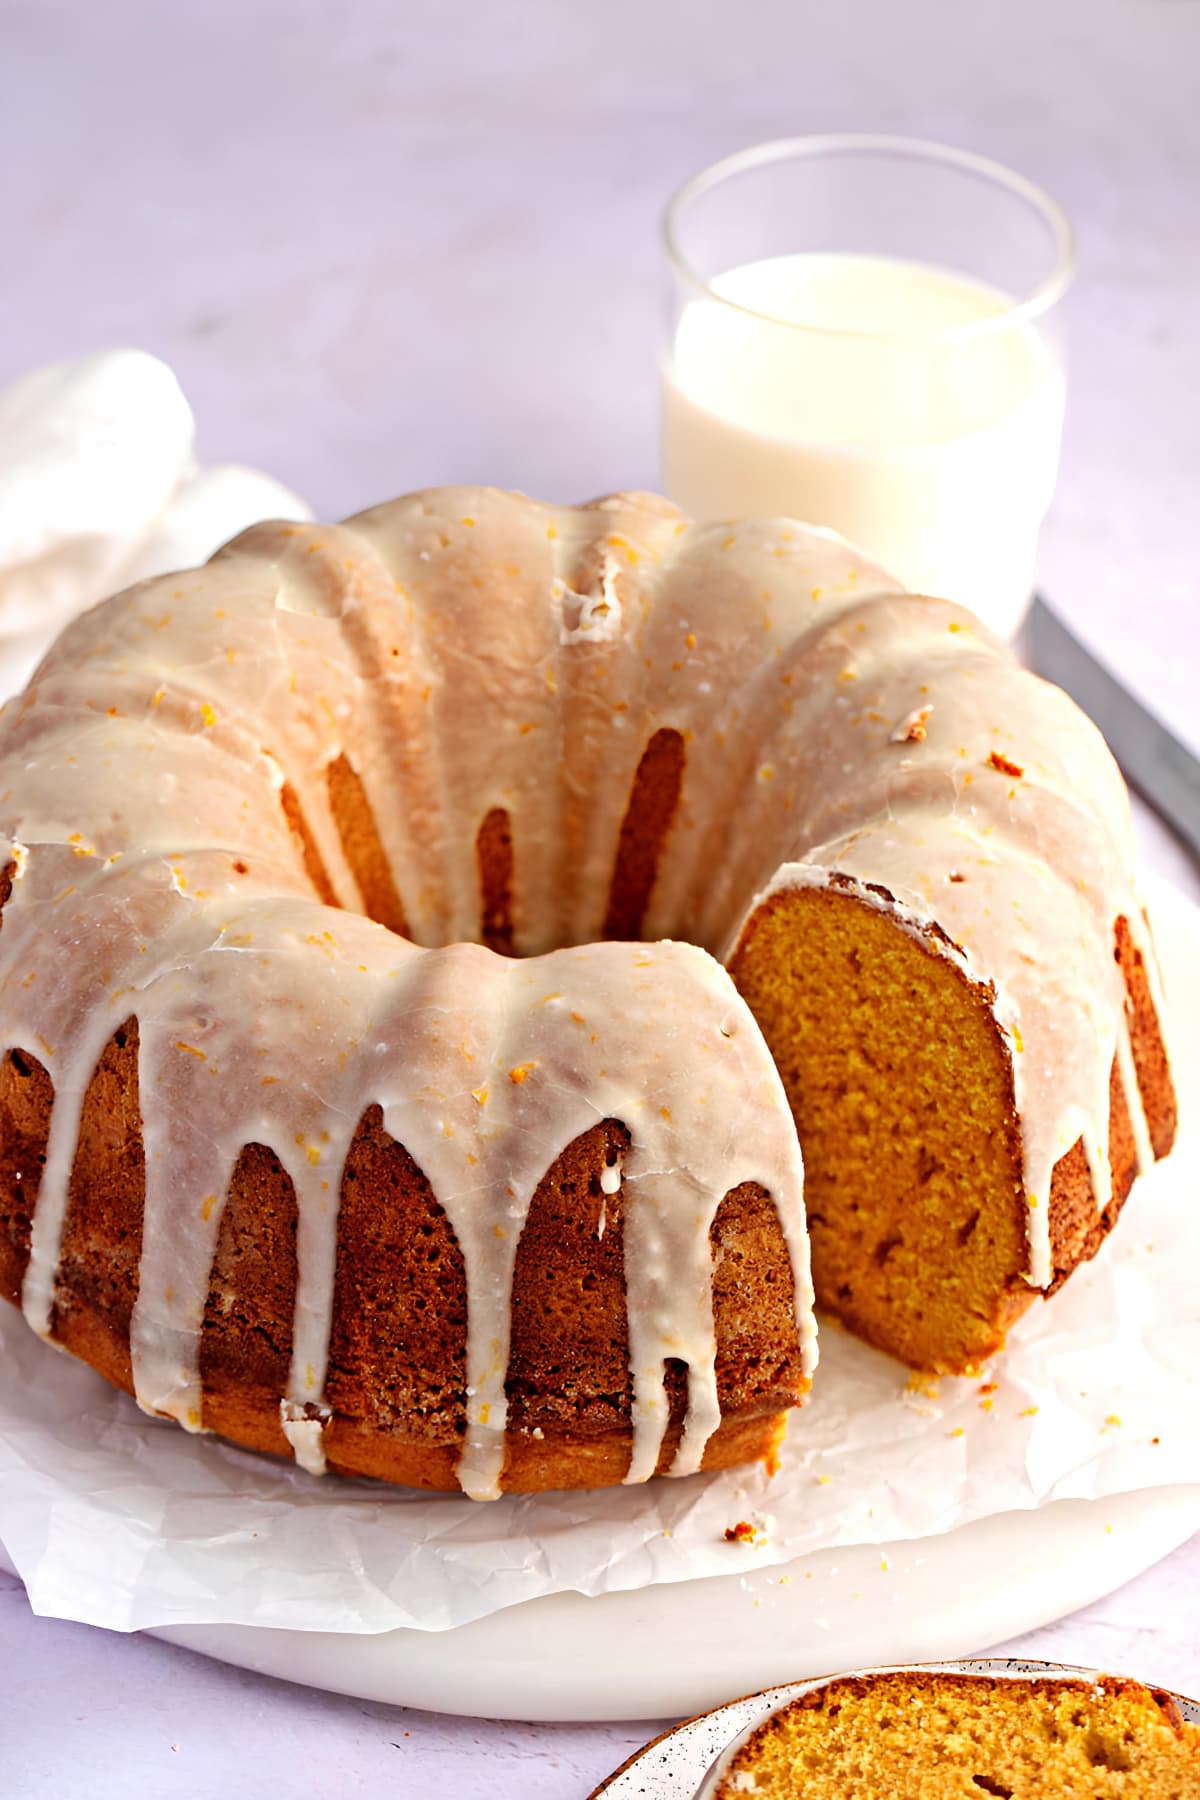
(288, 1155)
(936, 1734)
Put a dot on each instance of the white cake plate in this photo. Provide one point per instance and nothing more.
(674, 1649)
(679, 1648)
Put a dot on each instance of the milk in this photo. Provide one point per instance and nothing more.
(895, 404)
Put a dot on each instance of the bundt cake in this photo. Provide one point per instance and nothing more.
(286, 1154)
(935, 1734)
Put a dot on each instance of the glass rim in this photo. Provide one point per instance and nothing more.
(775, 150)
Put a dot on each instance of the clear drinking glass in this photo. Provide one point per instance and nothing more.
(862, 332)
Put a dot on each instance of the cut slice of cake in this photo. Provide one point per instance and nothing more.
(945, 1734)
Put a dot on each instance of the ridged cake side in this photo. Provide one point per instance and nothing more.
(262, 1031)
(396, 1384)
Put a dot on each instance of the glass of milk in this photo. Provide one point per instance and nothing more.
(864, 333)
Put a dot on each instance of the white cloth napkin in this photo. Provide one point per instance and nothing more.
(99, 487)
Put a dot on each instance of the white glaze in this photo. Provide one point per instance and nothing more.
(456, 647)
(166, 724)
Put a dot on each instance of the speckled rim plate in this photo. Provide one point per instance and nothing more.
(673, 1766)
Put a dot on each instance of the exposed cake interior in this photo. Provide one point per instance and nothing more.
(927, 1736)
(901, 1090)
(900, 1080)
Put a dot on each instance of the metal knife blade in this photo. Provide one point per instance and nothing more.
(1164, 771)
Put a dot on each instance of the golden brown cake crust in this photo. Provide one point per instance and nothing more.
(1077, 1233)
(397, 1365)
(653, 800)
